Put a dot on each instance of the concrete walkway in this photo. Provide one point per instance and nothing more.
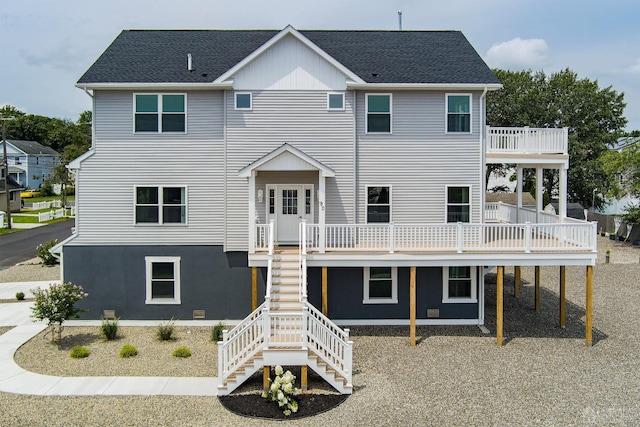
(14, 379)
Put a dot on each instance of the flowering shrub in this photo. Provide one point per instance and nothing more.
(281, 390)
(44, 254)
(56, 304)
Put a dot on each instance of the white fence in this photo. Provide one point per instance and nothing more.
(527, 140)
(49, 215)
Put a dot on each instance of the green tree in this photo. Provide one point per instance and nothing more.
(593, 115)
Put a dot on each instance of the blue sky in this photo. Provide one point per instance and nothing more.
(47, 45)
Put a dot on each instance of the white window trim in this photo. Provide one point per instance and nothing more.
(160, 131)
(446, 202)
(366, 114)
(343, 101)
(176, 280)
(394, 288)
(445, 288)
(446, 113)
(366, 203)
(160, 213)
(235, 101)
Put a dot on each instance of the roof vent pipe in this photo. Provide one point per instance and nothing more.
(189, 62)
(399, 20)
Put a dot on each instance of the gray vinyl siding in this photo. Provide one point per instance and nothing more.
(123, 160)
(302, 120)
(418, 160)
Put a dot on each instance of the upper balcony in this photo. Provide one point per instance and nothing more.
(525, 144)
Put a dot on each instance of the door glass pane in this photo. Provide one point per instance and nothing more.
(290, 202)
(307, 202)
(272, 201)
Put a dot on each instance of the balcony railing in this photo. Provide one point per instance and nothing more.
(527, 140)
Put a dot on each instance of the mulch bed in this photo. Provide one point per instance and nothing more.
(255, 406)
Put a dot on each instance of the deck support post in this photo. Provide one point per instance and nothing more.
(499, 304)
(563, 294)
(518, 192)
(589, 307)
(254, 288)
(517, 280)
(537, 282)
(266, 371)
(539, 194)
(325, 303)
(412, 305)
(304, 384)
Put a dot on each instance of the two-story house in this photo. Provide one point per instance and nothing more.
(303, 179)
(30, 162)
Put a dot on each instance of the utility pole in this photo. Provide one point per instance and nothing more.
(5, 162)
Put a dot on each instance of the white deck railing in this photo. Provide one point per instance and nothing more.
(527, 140)
(458, 237)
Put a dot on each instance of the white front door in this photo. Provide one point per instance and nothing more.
(294, 203)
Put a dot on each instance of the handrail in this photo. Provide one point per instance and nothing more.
(302, 265)
(527, 140)
(327, 341)
(269, 263)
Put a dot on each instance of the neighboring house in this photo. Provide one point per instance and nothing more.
(619, 206)
(30, 162)
(14, 194)
(342, 170)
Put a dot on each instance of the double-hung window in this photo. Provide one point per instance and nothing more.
(378, 204)
(459, 285)
(378, 112)
(380, 285)
(163, 280)
(160, 113)
(458, 204)
(160, 205)
(459, 113)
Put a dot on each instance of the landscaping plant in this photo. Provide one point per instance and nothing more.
(44, 254)
(216, 332)
(281, 390)
(165, 330)
(109, 328)
(57, 304)
(182, 352)
(20, 296)
(79, 352)
(127, 351)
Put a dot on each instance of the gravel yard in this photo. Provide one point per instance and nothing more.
(544, 375)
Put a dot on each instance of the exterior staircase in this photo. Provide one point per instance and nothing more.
(285, 330)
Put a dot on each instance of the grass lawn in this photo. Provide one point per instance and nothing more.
(48, 199)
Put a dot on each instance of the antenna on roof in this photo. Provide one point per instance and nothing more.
(399, 20)
(189, 62)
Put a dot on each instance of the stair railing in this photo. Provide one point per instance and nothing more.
(267, 297)
(302, 265)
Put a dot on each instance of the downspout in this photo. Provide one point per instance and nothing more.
(483, 159)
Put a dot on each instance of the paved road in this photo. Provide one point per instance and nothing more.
(21, 246)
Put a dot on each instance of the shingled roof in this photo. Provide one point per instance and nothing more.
(33, 147)
(159, 56)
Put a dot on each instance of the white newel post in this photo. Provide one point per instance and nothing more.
(562, 196)
(539, 185)
(321, 214)
(252, 212)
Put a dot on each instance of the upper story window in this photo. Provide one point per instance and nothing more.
(161, 205)
(378, 204)
(160, 113)
(459, 113)
(244, 101)
(335, 101)
(458, 204)
(378, 113)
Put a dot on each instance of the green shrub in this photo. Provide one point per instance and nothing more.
(109, 329)
(57, 304)
(128, 350)
(20, 296)
(182, 352)
(44, 254)
(165, 330)
(216, 332)
(79, 352)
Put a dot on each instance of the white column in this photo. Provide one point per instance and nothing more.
(539, 185)
(562, 196)
(518, 192)
(252, 212)
(321, 207)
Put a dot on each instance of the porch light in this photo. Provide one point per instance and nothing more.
(260, 195)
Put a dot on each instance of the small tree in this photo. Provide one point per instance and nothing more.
(57, 304)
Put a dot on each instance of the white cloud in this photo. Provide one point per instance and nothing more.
(519, 54)
(634, 68)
